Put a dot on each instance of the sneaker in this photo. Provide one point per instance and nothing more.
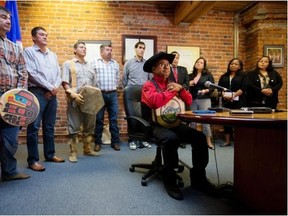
(146, 145)
(132, 145)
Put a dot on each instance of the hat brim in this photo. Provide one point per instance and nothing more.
(155, 58)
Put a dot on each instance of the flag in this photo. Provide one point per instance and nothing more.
(15, 34)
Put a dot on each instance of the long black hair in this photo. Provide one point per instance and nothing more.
(240, 62)
(205, 69)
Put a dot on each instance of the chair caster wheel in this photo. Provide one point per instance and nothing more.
(132, 169)
(143, 182)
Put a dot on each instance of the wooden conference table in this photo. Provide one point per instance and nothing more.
(260, 157)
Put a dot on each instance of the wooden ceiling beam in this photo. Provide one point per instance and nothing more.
(183, 9)
(199, 11)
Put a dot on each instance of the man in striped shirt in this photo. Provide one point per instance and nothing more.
(13, 75)
(107, 76)
(133, 74)
(44, 81)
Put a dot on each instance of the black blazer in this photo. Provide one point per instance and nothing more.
(183, 78)
(254, 95)
(237, 83)
(207, 76)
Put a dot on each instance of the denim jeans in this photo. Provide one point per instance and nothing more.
(111, 104)
(8, 148)
(47, 114)
(202, 104)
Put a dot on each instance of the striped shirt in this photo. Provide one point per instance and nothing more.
(84, 74)
(133, 73)
(107, 75)
(13, 72)
(43, 68)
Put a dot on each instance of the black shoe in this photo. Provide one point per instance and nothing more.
(205, 186)
(174, 192)
(116, 147)
(97, 147)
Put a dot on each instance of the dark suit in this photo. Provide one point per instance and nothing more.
(183, 78)
(254, 95)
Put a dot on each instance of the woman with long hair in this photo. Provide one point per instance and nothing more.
(264, 84)
(200, 93)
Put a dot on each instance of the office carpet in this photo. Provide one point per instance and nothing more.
(104, 185)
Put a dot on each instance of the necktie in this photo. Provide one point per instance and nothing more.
(175, 74)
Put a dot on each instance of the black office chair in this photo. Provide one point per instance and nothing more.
(139, 129)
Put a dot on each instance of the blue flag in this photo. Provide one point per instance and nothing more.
(15, 33)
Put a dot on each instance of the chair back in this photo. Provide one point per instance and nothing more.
(132, 100)
(138, 128)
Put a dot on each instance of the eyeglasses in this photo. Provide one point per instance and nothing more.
(164, 65)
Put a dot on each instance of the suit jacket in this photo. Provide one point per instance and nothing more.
(183, 78)
(254, 95)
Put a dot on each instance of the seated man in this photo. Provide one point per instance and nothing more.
(156, 93)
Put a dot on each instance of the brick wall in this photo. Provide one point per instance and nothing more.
(266, 24)
(66, 22)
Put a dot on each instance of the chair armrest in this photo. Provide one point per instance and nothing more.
(138, 128)
(141, 120)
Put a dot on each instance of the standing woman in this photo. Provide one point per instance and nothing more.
(201, 94)
(264, 84)
(233, 80)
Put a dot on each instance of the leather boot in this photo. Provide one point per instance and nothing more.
(200, 182)
(73, 150)
(87, 150)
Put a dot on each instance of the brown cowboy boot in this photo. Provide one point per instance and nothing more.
(87, 150)
(73, 150)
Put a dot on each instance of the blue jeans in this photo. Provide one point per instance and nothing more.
(47, 115)
(202, 104)
(111, 104)
(8, 148)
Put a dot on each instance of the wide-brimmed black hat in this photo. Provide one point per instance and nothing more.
(155, 58)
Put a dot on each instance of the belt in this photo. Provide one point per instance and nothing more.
(37, 87)
(108, 92)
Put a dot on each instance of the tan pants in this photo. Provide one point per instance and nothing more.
(78, 120)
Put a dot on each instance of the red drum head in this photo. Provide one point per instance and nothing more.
(19, 107)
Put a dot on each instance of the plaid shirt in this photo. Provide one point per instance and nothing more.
(13, 73)
(107, 75)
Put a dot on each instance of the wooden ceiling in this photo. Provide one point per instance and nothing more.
(186, 12)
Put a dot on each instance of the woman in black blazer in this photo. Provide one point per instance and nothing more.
(233, 80)
(264, 84)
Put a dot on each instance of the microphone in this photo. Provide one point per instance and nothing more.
(209, 84)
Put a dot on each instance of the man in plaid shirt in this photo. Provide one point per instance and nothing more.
(13, 75)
